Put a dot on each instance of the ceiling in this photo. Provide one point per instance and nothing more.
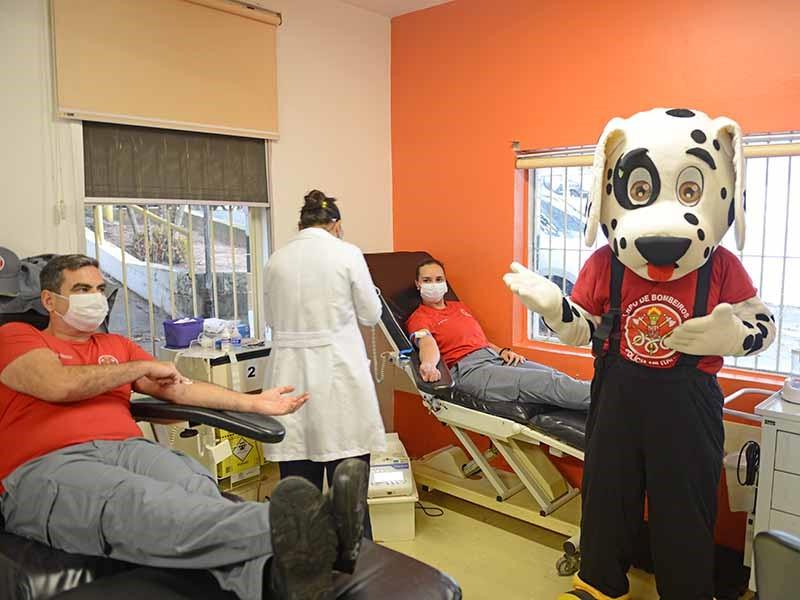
(393, 8)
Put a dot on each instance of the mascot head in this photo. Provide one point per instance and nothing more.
(668, 183)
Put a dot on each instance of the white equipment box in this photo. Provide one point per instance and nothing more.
(215, 366)
(392, 495)
(390, 472)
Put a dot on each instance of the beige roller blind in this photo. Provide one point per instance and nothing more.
(196, 65)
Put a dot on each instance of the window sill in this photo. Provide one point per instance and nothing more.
(736, 377)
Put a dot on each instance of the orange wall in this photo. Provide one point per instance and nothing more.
(470, 76)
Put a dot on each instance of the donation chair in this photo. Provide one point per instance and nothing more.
(33, 571)
(536, 491)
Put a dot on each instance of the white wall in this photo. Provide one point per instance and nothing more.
(334, 110)
(37, 169)
(334, 114)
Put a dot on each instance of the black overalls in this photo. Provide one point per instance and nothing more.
(657, 431)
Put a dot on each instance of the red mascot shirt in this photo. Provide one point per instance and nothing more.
(650, 310)
(30, 427)
(456, 331)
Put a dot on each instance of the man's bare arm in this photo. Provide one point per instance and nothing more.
(272, 402)
(39, 373)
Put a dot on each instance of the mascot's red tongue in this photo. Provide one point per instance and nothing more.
(660, 272)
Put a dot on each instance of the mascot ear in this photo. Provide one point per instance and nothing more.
(729, 135)
(613, 135)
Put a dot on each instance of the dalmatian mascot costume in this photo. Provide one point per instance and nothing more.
(662, 303)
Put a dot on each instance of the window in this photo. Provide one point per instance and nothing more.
(559, 183)
(157, 221)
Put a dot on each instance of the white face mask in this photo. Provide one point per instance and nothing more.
(86, 311)
(433, 292)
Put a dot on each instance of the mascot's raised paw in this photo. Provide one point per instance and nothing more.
(538, 293)
(719, 333)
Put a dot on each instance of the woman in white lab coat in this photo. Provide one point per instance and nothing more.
(318, 290)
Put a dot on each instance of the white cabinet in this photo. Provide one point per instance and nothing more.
(241, 369)
(778, 504)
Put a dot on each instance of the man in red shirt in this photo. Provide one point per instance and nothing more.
(478, 367)
(76, 473)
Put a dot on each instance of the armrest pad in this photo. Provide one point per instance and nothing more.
(442, 388)
(259, 427)
(395, 331)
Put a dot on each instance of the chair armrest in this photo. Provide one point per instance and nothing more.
(258, 427)
(442, 388)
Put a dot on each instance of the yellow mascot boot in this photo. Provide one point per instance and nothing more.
(583, 591)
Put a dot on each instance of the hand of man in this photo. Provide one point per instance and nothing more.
(429, 372)
(511, 358)
(163, 373)
(275, 401)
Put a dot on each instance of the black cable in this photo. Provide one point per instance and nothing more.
(752, 452)
(430, 511)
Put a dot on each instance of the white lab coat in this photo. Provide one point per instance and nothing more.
(317, 291)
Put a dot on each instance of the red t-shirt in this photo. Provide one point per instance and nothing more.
(650, 310)
(456, 331)
(30, 427)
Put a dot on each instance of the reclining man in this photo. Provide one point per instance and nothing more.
(78, 475)
(478, 367)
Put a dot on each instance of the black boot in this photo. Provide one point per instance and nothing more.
(348, 494)
(304, 542)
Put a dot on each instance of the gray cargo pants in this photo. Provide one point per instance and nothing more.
(139, 502)
(485, 375)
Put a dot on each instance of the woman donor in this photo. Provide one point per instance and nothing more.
(318, 290)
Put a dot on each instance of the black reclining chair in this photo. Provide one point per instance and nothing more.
(392, 273)
(517, 431)
(32, 571)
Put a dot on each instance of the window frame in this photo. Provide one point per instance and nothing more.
(778, 145)
(259, 244)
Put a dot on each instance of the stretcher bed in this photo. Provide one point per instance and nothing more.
(525, 435)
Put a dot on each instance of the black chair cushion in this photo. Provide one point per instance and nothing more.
(569, 426)
(32, 571)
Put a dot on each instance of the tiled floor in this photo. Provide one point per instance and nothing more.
(493, 556)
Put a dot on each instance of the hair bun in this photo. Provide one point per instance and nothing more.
(315, 200)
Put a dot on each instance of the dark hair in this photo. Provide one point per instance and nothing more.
(52, 275)
(429, 261)
(318, 209)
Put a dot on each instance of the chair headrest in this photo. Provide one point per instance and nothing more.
(31, 317)
(40, 321)
(393, 273)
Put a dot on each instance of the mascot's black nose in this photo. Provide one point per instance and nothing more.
(662, 250)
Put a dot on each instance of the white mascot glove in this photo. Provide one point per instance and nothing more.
(717, 334)
(536, 292)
